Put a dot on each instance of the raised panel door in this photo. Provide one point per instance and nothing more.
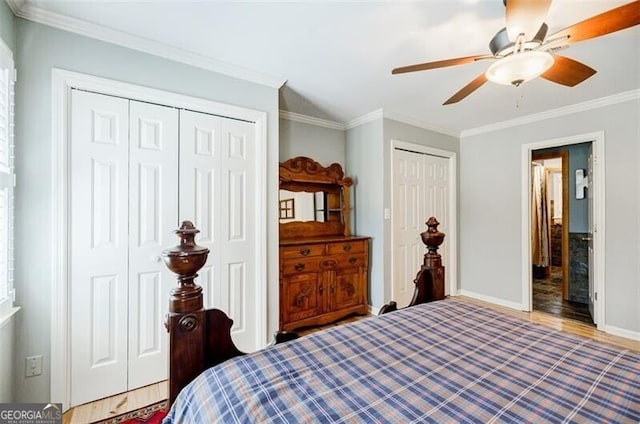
(302, 297)
(99, 246)
(153, 215)
(347, 288)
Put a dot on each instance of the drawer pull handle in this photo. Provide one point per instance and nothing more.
(298, 267)
(320, 289)
(305, 252)
(353, 260)
(329, 263)
(346, 247)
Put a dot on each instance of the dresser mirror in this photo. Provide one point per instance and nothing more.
(313, 200)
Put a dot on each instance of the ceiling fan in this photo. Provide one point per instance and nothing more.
(522, 50)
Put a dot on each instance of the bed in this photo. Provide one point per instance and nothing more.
(439, 361)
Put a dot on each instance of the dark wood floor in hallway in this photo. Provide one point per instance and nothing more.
(547, 297)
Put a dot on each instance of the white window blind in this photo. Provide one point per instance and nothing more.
(6, 179)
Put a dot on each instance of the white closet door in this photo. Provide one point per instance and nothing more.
(408, 222)
(153, 215)
(217, 192)
(420, 190)
(99, 238)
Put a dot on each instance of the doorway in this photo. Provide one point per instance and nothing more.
(558, 266)
(583, 278)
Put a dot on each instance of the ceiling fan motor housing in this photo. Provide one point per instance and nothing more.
(501, 45)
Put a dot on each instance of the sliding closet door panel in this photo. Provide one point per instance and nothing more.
(408, 222)
(217, 188)
(153, 215)
(99, 245)
(238, 231)
(200, 192)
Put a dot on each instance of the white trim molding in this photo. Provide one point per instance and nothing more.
(554, 113)
(597, 139)
(490, 299)
(26, 10)
(616, 331)
(419, 123)
(369, 117)
(62, 84)
(305, 119)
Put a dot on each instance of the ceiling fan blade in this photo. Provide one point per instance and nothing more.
(613, 20)
(525, 17)
(467, 89)
(440, 64)
(568, 72)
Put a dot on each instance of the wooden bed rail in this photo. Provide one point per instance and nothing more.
(429, 282)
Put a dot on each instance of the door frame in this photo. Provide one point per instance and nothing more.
(62, 83)
(563, 155)
(597, 140)
(452, 236)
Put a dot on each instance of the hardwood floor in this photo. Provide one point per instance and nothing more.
(116, 405)
(125, 402)
(547, 297)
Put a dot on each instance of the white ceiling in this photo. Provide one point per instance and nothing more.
(337, 56)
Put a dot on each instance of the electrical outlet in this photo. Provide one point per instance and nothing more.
(33, 366)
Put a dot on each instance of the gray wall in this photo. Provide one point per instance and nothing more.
(41, 48)
(490, 206)
(364, 162)
(324, 145)
(7, 26)
(7, 343)
(369, 162)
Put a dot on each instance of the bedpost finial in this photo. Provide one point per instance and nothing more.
(432, 238)
(185, 260)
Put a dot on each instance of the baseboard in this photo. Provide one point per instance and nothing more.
(616, 331)
(373, 310)
(500, 302)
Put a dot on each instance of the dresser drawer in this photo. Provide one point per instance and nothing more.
(301, 251)
(356, 246)
(302, 265)
(346, 261)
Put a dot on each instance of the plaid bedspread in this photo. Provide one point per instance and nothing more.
(442, 362)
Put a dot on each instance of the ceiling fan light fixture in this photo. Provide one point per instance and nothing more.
(519, 67)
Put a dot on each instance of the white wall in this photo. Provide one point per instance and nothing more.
(324, 145)
(490, 207)
(39, 50)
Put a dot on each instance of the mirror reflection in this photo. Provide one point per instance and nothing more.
(302, 206)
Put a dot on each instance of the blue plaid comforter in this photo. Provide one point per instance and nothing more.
(441, 362)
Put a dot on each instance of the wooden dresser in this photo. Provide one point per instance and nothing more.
(324, 270)
(322, 280)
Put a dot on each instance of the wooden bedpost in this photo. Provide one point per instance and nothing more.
(186, 320)
(429, 282)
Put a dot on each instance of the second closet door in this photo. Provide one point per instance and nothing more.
(217, 189)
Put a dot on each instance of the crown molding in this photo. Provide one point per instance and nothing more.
(419, 123)
(305, 119)
(25, 10)
(555, 113)
(369, 117)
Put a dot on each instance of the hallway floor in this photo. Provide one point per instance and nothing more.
(547, 297)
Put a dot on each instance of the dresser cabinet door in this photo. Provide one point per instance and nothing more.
(347, 288)
(303, 296)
